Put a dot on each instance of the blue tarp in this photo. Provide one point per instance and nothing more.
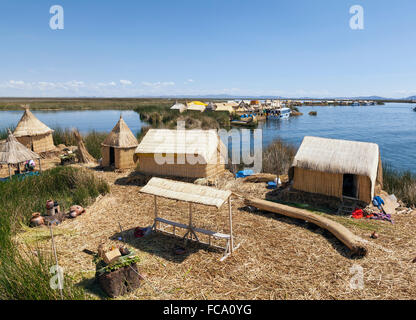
(244, 173)
(271, 185)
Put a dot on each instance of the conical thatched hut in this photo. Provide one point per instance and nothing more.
(118, 148)
(34, 134)
(12, 152)
(181, 153)
(338, 168)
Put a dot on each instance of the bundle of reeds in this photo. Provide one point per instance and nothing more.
(82, 152)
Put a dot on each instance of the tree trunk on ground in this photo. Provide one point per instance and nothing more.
(260, 177)
(353, 242)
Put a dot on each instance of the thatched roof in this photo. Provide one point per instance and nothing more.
(338, 156)
(13, 152)
(121, 137)
(199, 142)
(188, 192)
(196, 106)
(29, 125)
(178, 106)
(223, 106)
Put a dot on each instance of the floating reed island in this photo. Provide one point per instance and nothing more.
(311, 209)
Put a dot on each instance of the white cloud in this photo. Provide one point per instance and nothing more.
(126, 82)
(158, 84)
(106, 84)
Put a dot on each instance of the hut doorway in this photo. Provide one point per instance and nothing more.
(349, 186)
(112, 157)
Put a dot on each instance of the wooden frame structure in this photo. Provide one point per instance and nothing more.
(12, 152)
(193, 194)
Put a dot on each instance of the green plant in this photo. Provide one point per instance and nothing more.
(25, 271)
(400, 183)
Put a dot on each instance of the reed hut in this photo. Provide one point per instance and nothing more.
(33, 133)
(117, 150)
(338, 168)
(181, 153)
(222, 106)
(178, 106)
(13, 153)
(196, 106)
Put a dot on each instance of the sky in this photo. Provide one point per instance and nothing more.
(297, 48)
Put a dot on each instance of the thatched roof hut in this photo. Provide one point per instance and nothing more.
(12, 152)
(337, 168)
(178, 106)
(118, 148)
(223, 106)
(181, 153)
(196, 106)
(33, 133)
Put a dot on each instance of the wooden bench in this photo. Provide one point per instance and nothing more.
(209, 233)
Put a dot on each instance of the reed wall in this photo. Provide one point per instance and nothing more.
(330, 184)
(148, 165)
(38, 144)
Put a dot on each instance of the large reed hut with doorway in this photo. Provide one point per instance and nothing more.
(181, 153)
(33, 133)
(118, 148)
(338, 168)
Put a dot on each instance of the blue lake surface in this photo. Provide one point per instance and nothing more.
(84, 120)
(392, 126)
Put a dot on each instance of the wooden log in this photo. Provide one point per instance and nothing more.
(260, 177)
(353, 242)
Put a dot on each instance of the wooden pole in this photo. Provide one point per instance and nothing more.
(230, 214)
(353, 242)
(155, 212)
(40, 166)
(190, 214)
(56, 260)
(10, 171)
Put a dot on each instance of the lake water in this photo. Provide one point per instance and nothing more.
(392, 126)
(84, 120)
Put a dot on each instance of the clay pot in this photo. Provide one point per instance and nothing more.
(76, 211)
(50, 204)
(124, 251)
(37, 220)
(73, 214)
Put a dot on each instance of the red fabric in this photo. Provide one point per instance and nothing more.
(358, 214)
(138, 232)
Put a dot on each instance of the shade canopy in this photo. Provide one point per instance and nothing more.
(13, 152)
(188, 192)
(121, 137)
(29, 125)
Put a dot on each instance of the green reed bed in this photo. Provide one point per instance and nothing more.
(278, 157)
(92, 140)
(400, 183)
(161, 116)
(82, 103)
(25, 271)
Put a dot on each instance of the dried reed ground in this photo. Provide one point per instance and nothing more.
(279, 257)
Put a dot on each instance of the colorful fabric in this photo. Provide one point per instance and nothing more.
(358, 214)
